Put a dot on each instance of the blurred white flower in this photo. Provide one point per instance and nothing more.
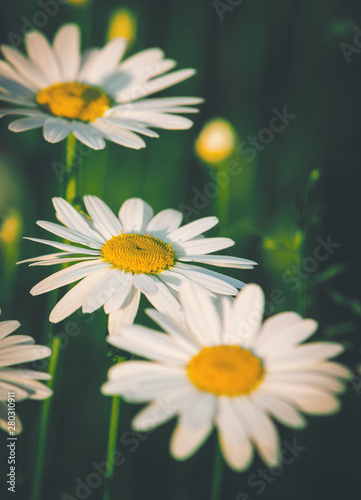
(93, 96)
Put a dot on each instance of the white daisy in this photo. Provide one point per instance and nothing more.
(93, 96)
(122, 257)
(223, 368)
(21, 381)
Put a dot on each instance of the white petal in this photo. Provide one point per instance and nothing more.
(166, 103)
(66, 46)
(119, 135)
(194, 425)
(309, 399)
(161, 120)
(23, 354)
(284, 340)
(103, 217)
(112, 118)
(283, 411)
(74, 298)
(304, 355)
(205, 245)
(150, 344)
(55, 130)
(27, 124)
(8, 73)
(279, 322)
(25, 67)
(118, 299)
(201, 315)
(145, 284)
(246, 317)
(70, 234)
(153, 415)
(177, 331)
(16, 340)
(164, 301)
(103, 290)
(164, 222)
(213, 274)
(192, 229)
(105, 62)
(260, 430)
(234, 443)
(20, 111)
(126, 314)
(135, 215)
(220, 260)
(16, 99)
(88, 135)
(206, 280)
(7, 327)
(74, 220)
(43, 56)
(172, 279)
(64, 246)
(154, 85)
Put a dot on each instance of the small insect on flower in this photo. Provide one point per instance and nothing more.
(137, 252)
(96, 97)
(20, 383)
(221, 367)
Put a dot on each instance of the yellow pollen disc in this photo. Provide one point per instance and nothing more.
(225, 370)
(138, 253)
(74, 100)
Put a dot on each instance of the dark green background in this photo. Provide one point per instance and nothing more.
(263, 55)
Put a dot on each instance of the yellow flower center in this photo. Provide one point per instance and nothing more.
(74, 100)
(138, 253)
(225, 370)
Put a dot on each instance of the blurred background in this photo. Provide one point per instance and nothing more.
(279, 165)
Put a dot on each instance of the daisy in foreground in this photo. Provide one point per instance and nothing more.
(92, 96)
(122, 257)
(223, 368)
(15, 382)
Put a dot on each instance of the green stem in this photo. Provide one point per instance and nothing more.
(70, 192)
(217, 474)
(112, 442)
(72, 170)
(44, 420)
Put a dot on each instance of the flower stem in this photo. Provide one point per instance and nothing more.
(44, 420)
(217, 474)
(72, 169)
(112, 442)
(70, 192)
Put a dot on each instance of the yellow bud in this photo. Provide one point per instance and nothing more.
(216, 141)
(122, 23)
(10, 229)
(78, 2)
(270, 244)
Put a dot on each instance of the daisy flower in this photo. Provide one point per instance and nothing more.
(24, 383)
(93, 96)
(122, 257)
(222, 368)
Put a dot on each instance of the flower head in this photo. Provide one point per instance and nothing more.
(19, 383)
(95, 96)
(118, 258)
(216, 141)
(221, 367)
